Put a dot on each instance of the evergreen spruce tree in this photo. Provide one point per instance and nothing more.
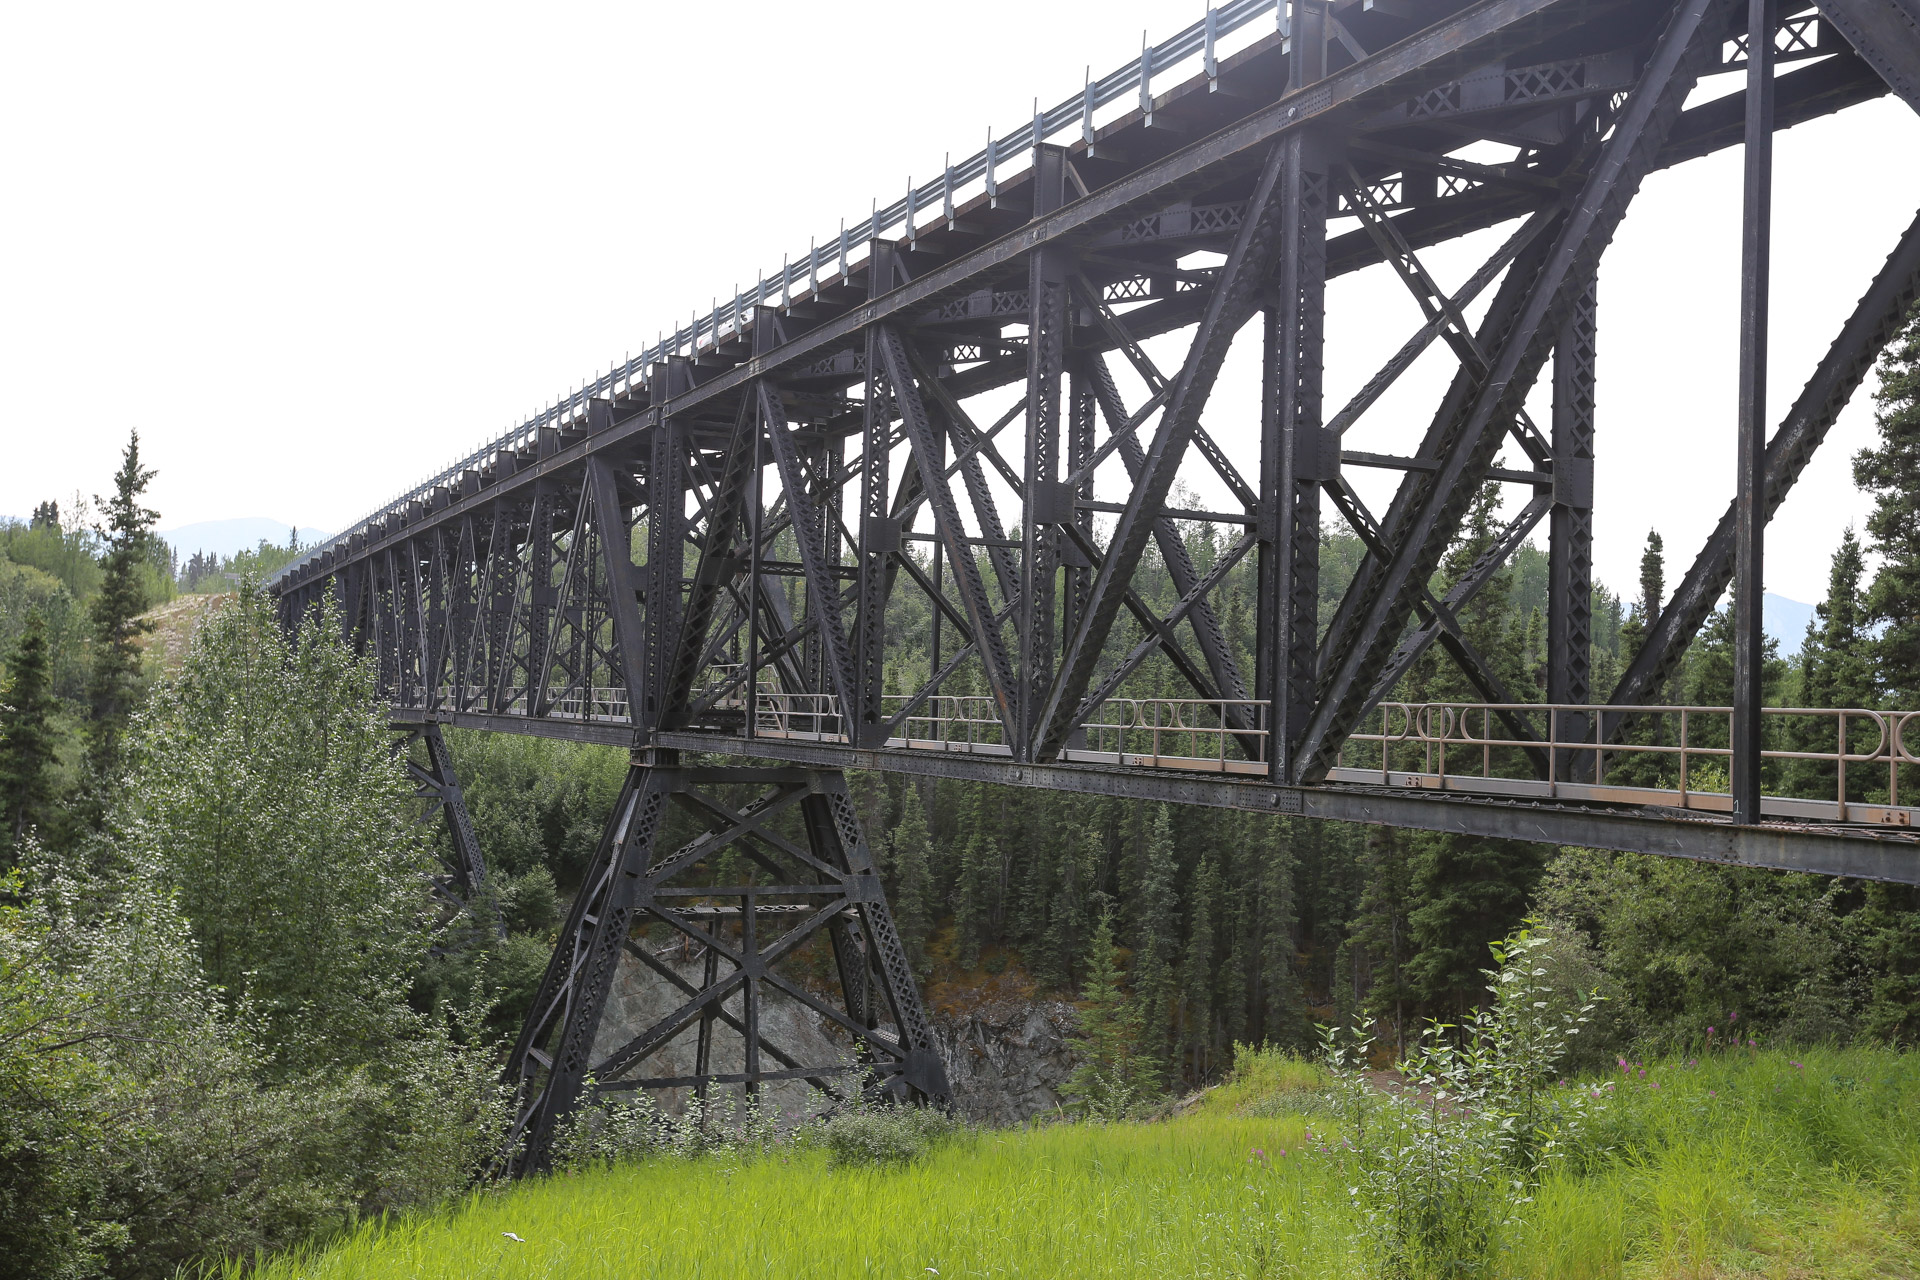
(1383, 930)
(1279, 1003)
(1196, 978)
(1156, 948)
(1643, 769)
(1887, 929)
(1107, 1079)
(913, 885)
(1653, 578)
(1462, 893)
(114, 685)
(26, 739)
(976, 888)
(1237, 923)
(1890, 471)
(1063, 944)
(1836, 670)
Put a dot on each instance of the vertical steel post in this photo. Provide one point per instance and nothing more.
(879, 533)
(1046, 503)
(1570, 536)
(1749, 579)
(666, 543)
(1296, 454)
(1082, 416)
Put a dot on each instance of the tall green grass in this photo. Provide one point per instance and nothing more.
(1738, 1165)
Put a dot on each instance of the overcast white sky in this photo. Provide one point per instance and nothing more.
(314, 253)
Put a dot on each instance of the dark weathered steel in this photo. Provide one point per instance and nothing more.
(1887, 35)
(1430, 507)
(810, 471)
(1570, 533)
(1750, 447)
(819, 881)
(463, 887)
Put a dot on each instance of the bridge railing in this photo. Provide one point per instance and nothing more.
(1839, 764)
(1842, 764)
(1198, 47)
(1211, 734)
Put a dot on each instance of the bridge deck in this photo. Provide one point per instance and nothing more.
(1865, 840)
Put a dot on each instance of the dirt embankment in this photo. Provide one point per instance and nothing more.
(173, 624)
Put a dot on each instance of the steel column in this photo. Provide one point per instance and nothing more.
(1750, 457)
(1297, 453)
(1570, 531)
(1046, 503)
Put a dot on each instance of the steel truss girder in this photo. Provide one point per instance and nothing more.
(1430, 505)
(515, 593)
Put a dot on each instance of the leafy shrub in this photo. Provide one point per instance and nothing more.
(1267, 1080)
(884, 1135)
(1445, 1163)
(720, 1124)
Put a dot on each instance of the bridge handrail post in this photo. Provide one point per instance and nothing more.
(1685, 769)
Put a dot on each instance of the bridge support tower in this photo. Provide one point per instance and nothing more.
(750, 872)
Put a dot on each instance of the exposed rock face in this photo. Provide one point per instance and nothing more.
(1005, 1050)
(1007, 1058)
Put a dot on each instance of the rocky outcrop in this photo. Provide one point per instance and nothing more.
(1005, 1049)
(1007, 1058)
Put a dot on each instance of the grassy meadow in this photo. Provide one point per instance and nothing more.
(1747, 1164)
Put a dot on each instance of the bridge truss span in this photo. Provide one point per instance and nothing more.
(961, 501)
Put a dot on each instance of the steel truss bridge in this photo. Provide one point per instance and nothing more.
(941, 431)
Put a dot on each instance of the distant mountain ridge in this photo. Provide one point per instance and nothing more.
(230, 537)
(1786, 621)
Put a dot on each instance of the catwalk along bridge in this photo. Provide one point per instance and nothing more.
(920, 501)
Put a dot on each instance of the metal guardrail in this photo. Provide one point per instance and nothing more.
(1163, 733)
(1665, 759)
(836, 257)
(1667, 755)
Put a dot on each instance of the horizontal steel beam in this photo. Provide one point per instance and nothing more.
(1776, 846)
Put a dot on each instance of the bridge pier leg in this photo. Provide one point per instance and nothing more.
(726, 933)
(464, 886)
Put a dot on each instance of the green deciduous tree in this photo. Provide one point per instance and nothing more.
(264, 788)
